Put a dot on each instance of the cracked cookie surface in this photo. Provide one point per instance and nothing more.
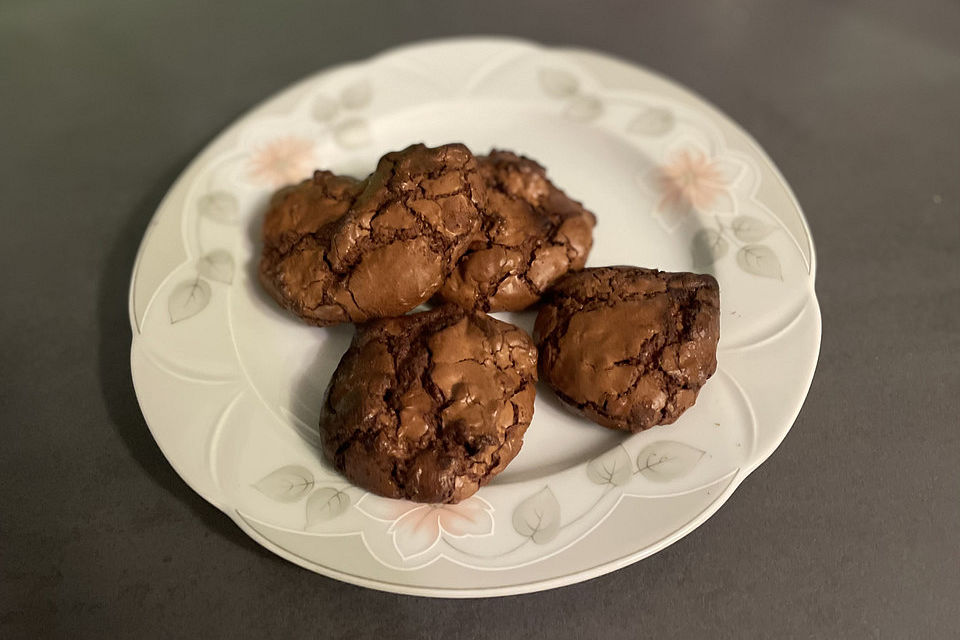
(533, 234)
(340, 250)
(430, 406)
(627, 347)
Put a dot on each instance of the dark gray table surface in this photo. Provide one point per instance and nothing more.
(849, 530)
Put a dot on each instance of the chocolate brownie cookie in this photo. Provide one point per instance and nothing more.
(533, 232)
(305, 208)
(338, 251)
(430, 406)
(630, 348)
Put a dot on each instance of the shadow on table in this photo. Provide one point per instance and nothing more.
(114, 368)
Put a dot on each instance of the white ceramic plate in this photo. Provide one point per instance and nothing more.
(231, 386)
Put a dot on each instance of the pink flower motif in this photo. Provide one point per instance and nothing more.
(690, 180)
(282, 161)
(416, 528)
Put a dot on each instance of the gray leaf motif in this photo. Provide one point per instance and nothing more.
(324, 108)
(750, 229)
(286, 484)
(707, 247)
(352, 133)
(583, 108)
(357, 95)
(613, 467)
(188, 299)
(217, 265)
(651, 121)
(557, 83)
(760, 260)
(219, 206)
(325, 504)
(538, 517)
(666, 460)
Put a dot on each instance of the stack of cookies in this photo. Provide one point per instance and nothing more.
(430, 406)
